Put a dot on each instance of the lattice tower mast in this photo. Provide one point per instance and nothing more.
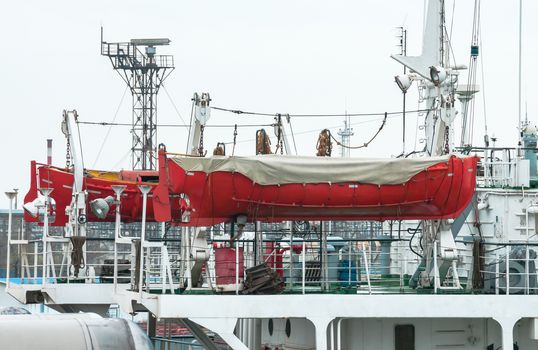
(144, 72)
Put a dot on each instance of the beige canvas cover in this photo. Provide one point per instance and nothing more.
(278, 169)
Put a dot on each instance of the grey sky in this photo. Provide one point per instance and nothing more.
(270, 56)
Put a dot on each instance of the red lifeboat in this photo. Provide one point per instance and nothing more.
(98, 184)
(276, 188)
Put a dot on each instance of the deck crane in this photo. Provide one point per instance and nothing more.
(194, 239)
(76, 211)
(438, 81)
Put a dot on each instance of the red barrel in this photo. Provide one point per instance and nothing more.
(225, 267)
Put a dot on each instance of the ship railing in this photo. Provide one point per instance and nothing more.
(509, 268)
(363, 267)
(346, 265)
(50, 262)
(125, 55)
(175, 344)
(496, 167)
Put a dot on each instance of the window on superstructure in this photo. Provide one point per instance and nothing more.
(404, 337)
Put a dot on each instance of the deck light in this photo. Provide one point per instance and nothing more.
(437, 75)
(101, 206)
(404, 82)
(36, 208)
(33, 208)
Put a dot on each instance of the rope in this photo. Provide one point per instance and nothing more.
(219, 150)
(77, 255)
(366, 143)
(263, 142)
(324, 145)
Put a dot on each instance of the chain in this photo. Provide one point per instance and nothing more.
(447, 146)
(279, 136)
(201, 146)
(235, 139)
(68, 155)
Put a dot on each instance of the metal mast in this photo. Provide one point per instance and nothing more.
(345, 137)
(403, 52)
(144, 72)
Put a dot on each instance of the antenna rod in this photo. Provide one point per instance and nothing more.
(519, 71)
(404, 53)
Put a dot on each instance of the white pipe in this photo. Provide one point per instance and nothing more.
(303, 253)
(366, 269)
(35, 263)
(507, 272)
(117, 232)
(237, 268)
(497, 276)
(164, 264)
(349, 265)
(46, 192)
(527, 277)
(290, 282)
(145, 190)
(10, 195)
(435, 268)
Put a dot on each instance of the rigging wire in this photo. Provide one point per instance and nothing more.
(237, 111)
(471, 81)
(173, 104)
(292, 135)
(483, 88)
(122, 159)
(175, 125)
(311, 131)
(452, 18)
(110, 127)
(190, 129)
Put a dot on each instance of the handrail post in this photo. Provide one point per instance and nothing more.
(435, 268)
(11, 196)
(145, 190)
(46, 193)
(366, 269)
(303, 253)
(237, 267)
(497, 276)
(118, 189)
(507, 271)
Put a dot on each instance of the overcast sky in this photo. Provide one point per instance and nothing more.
(268, 56)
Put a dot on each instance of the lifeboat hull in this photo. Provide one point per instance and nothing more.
(61, 181)
(441, 191)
